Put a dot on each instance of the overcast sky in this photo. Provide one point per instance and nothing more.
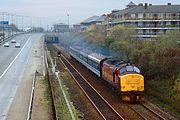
(55, 11)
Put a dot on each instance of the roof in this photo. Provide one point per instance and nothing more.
(96, 57)
(131, 4)
(127, 10)
(89, 20)
(114, 62)
(101, 18)
(94, 19)
(150, 9)
(156, 9)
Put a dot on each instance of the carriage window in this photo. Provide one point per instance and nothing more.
(136, 70)
(129, 68)
(122, 70)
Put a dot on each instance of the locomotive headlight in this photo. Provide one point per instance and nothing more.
(132, 85)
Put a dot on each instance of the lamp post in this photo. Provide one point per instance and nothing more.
(8, 26)
(22, 21)
(68, 21)
(12, 24)
(3, 25)
(16, 23)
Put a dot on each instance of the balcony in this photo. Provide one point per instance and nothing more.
(155, 18)
(118, 20)
(157, 26)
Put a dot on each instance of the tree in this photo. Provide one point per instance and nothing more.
(96, 35)
(121, 33)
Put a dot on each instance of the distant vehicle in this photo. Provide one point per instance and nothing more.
(6, 44)
(13, 41)
(17, 45)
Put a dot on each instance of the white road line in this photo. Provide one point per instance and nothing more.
(15, 58)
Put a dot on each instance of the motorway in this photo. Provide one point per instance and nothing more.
(13, 62)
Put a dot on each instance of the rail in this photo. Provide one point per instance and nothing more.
(100, 104)
(32, 97)
(136, 108)
(159, 116)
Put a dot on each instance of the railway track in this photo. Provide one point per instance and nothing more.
(101, 105)
(145, 112)
(142, 110)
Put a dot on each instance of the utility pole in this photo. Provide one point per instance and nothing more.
(31, 23)
(68, 20)
(22, 20)
(12, 24)
(40, 24)
(3, 26)
(8, 15)
(16, 24)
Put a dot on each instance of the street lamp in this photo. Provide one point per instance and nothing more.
(12, 24)
(68, 20)
(3, 25)
(22, 20)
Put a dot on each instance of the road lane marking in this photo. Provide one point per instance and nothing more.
(14, 59)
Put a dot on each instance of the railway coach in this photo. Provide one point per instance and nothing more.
(125, 77)
(92, 61)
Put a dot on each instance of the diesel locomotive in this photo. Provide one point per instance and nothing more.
(123, 76)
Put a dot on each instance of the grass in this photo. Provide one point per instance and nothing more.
(61, 106)
(165, 94)
(46, 93)
(76, 112)
(62, 109)
(163, 104)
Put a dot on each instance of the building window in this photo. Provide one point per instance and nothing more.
(160, 15)
(168, 15)
(133, 24)
(160, 24)
(155, 16)
(140, 31)
(148, 15)
(140, 15)
(150, 31)
(140, 24)
(168, 24)
(133, 15)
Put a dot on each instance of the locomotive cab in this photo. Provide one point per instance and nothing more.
(126, 78)
(131, 83)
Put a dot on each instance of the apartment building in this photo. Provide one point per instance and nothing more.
(148, 20)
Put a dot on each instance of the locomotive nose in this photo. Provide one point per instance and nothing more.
(132, 82)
